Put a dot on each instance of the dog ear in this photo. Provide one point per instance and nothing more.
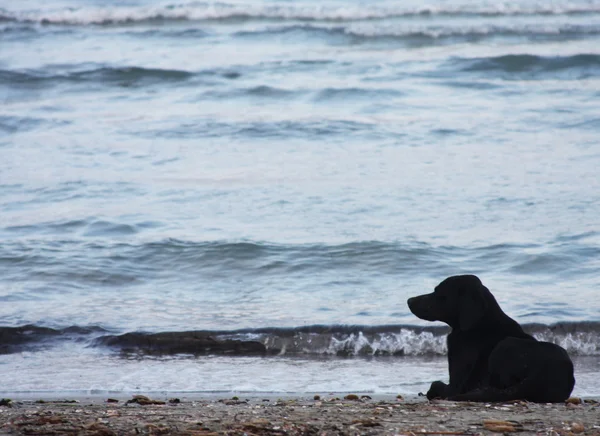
(472, 308)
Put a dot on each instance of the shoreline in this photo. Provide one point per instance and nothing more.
(315, 414)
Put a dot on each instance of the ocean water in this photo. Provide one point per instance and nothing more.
(290, 172)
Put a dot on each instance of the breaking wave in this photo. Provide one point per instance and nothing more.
(578, 338)
(206, 11)
(425, 33)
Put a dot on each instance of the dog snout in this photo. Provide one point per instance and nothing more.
(411, 302)
(421, 306)
(416, 306)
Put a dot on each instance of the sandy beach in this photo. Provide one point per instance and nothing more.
(326, 414)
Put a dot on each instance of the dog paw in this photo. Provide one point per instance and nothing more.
(437, 390)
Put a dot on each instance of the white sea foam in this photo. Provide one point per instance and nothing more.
(304, 12)
(580, 343)
(406, 342)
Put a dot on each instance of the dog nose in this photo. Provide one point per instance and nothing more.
(410, 301)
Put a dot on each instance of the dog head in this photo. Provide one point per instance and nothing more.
(459, 301)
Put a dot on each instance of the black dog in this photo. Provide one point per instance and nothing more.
(490, 357)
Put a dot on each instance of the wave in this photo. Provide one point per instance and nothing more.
(129, 76)
(264, 129)
(351, 32)
(528, 66)
(13, 124)
(17, 339)
(571, 258)
(223, 12)
(327, 94)
(578, 338)
(513, 65)
(321, 95)
(122, 76)
(527, 62)
(426, 35)
(405, 340)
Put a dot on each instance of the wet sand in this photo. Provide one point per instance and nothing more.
(320, 415)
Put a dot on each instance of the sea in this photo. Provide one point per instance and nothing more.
(289, 172)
